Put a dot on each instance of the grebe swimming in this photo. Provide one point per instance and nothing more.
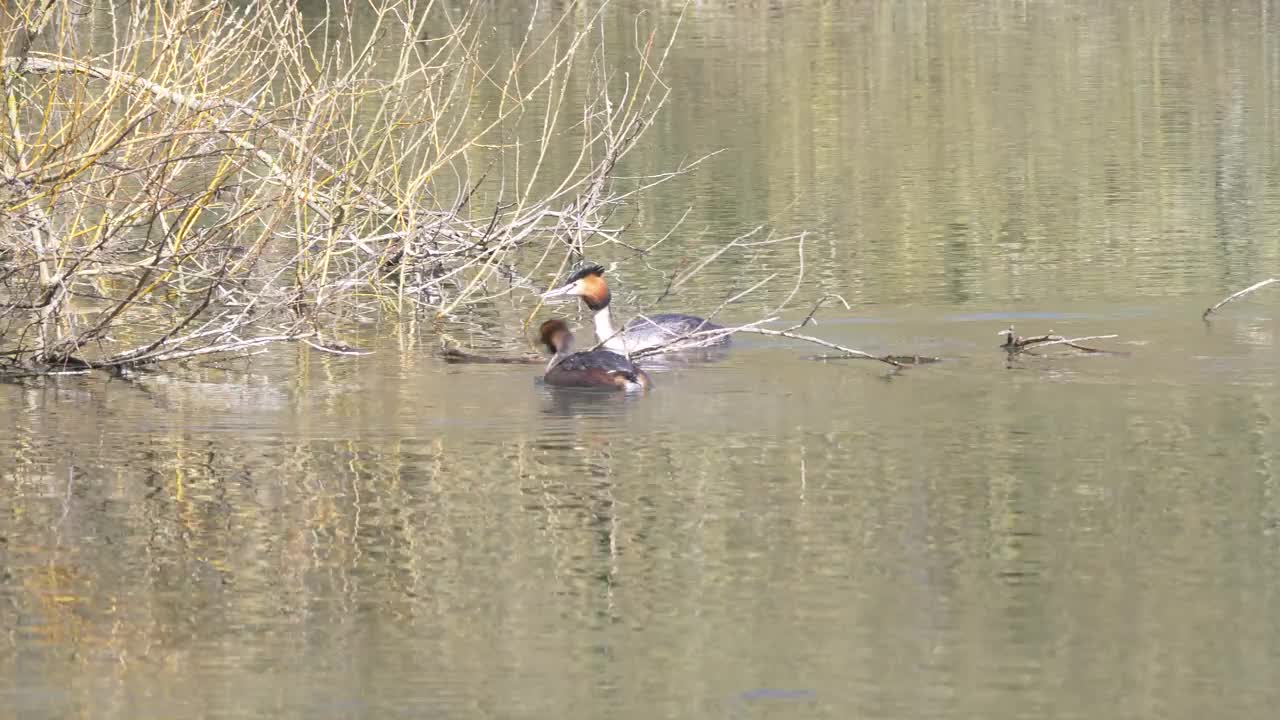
(641, 333)
(593, 368)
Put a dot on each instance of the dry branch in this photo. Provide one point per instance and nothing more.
(456, 355)
(702, 338)
(211, 178)
(1238, 295)
(1015, 344)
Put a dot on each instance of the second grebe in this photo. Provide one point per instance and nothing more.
(593, 368)
(640, 333)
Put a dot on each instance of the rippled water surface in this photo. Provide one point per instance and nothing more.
(304, 535)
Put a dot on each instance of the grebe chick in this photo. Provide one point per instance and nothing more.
(641, 333)
(593, 368)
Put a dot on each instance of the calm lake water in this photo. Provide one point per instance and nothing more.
(310, 536)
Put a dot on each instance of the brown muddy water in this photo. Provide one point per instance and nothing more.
(311, 536)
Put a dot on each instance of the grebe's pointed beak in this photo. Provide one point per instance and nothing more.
(570, 289)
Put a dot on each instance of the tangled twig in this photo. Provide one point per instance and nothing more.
(175, 203)
(1014, 344)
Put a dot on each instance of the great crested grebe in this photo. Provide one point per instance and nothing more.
(592, 368)
(641, 333)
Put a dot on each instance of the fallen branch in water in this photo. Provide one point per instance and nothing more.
(848, 352)
(335, 348)
(702, 338)
(456, 356)
(1238, 295)
(72, 365)
(1015, 344)
(906, 360)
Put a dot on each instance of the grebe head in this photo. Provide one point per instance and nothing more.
(556, 336)
(588, 284)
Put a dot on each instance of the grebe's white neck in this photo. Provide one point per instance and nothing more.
(604, 331)
(554, 361)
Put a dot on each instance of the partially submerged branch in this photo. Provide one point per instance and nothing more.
(1238, 295)
(455, 355)
(701, 338)
(1015, 344)
(848, 353)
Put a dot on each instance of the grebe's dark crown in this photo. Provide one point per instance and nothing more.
(586, 271)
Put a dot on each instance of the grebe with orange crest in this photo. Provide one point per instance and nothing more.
(640, 333)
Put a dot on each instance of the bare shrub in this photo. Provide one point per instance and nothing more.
(188, 177)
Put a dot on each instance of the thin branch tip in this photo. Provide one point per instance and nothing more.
(1237, 295)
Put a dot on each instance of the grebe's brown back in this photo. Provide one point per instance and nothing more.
(593, 368)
